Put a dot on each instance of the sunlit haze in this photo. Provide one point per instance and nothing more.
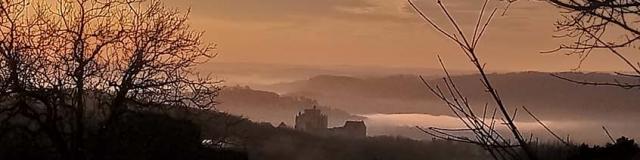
(380, 33)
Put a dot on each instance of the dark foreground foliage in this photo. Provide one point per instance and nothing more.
(623, 148)
(187, 135)
(138, 135)
(262, 141)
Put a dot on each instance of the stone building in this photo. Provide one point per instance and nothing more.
(351, 129)
(313, 121)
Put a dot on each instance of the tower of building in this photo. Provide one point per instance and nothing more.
(312, 121)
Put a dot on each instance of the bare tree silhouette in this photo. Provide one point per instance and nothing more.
(609, 25)
(484, 127)
(70, 66)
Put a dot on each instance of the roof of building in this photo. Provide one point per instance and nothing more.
(354, 124)
(283, 125)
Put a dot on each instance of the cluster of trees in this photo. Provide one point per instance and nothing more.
(72, 71)
(622, 148)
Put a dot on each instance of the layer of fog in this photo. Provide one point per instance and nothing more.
(577, 131)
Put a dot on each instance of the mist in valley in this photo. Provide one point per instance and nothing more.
(394, 104)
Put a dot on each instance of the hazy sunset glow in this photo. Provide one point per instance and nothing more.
(380, 33)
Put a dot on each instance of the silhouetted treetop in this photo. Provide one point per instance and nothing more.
(609, 25)
(64, 61)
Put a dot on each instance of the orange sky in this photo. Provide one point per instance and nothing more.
(379, 33)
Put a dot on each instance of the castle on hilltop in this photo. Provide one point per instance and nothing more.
(314, 121)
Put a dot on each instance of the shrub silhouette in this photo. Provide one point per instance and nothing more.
(149, 136)
(623, 149)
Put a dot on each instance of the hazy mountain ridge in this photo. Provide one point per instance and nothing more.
(548, 96)
(254, 74)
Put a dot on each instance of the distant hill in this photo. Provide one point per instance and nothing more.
(253, 74)
(549, 97)
(270, 107)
